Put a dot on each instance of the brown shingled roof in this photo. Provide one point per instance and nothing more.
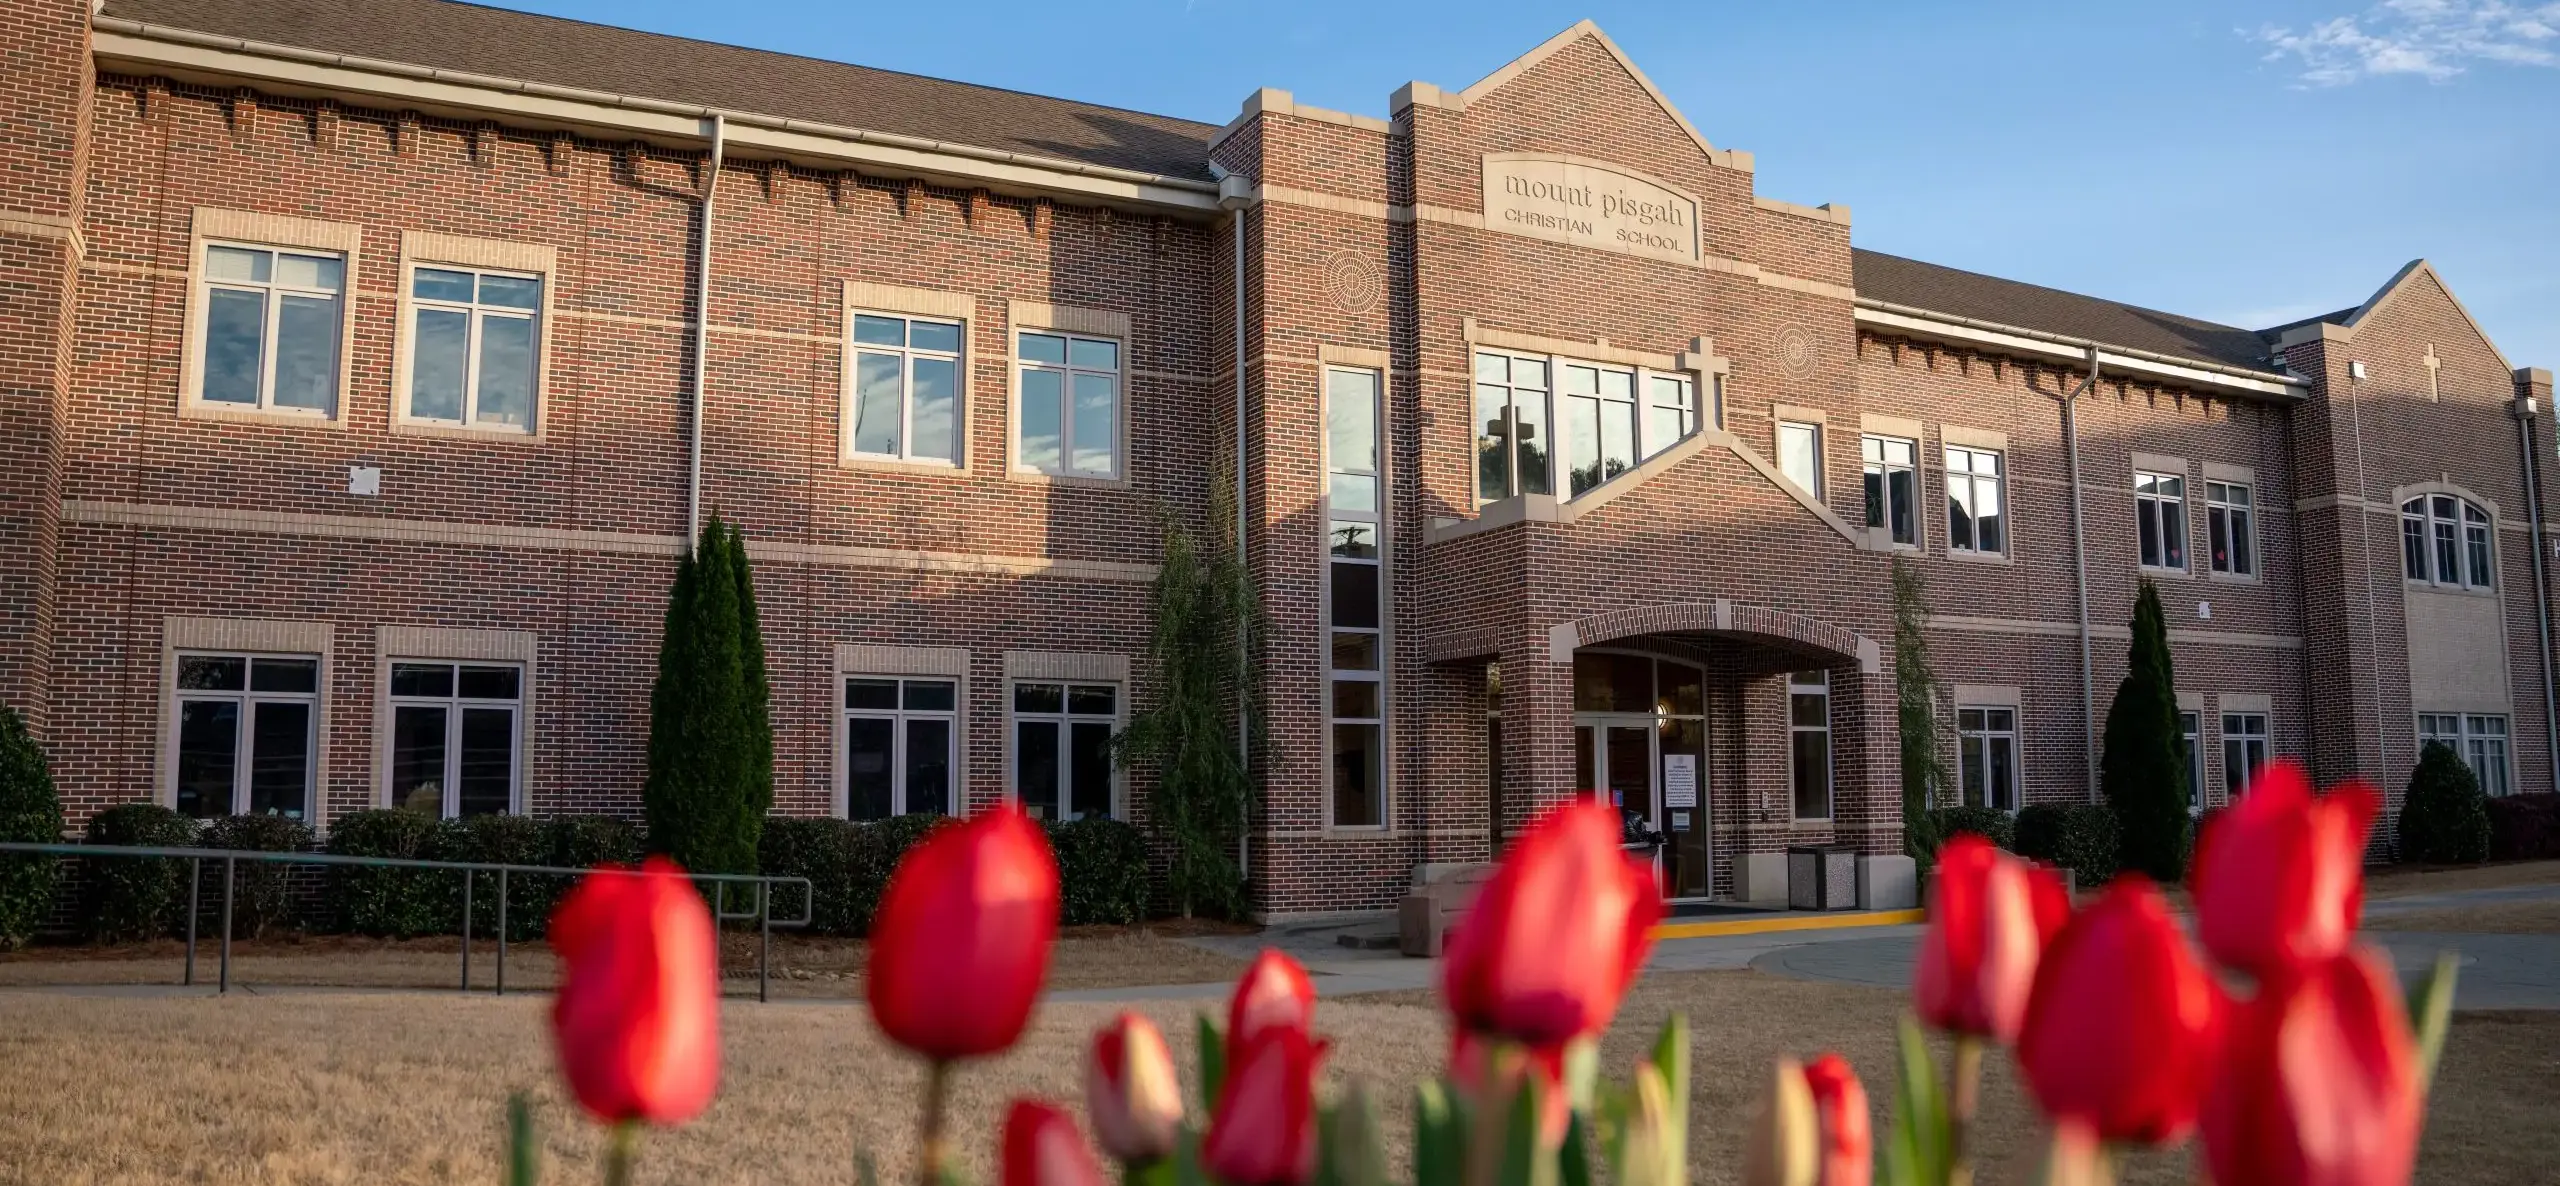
(1900, 281)
(518, 45)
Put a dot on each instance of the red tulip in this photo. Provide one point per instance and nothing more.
(2279, 875)
(2318, 1081)
(1848, 1137)
(1263, 1131)
(961, 941)
(1130, 1091)
(1274, 992)
(1556, 935)
(1043, 1148)
(1470, 1059)
(637, 1020)
(1990, 916)
(2120, 1029)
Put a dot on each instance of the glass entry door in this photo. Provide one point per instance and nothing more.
(1651, 770)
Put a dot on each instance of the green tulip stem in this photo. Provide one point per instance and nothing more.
(932, 1144)
(1964, 1096)
(620, 1142)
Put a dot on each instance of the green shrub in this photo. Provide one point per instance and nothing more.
(401, 903)
(129, 898)
(2524, 827)
(2080, 837)
(835, 856)
(30, 813)
(2445, 820)
(498, 840)
(1991, 823)
(1102, 871)
(261, 894)
(585, 841)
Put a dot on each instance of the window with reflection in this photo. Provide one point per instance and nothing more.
(1977, 518)
(1893, 487)
(272, 325)
(906, 403)
(1062, 749)
(1536, 415)
(245, 735)
(475, 338)
(455, 737)
(1809, 742)
(901, 746)
(2445, 540)
(1068, 421)
(1355, 603)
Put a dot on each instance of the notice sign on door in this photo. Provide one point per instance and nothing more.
(1679, 780)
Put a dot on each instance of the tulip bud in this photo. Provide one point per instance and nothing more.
(1273, 992)
(1556, 935)
(1990, 915)
(960, 943)
(1130, 1091)
(1650, 1146)
(637, 1019)
(1043, 1148)
(1784, 1147)
(2317, 1082)
(1840, 1105)
(2279, 876)
(2120, 1030)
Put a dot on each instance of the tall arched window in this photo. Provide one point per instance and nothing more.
(2444, 540)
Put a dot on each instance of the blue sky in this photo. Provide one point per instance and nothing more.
(2250, 162)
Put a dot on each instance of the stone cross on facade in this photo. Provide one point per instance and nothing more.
(2433, 363)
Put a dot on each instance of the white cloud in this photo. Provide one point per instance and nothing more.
(2430, 39)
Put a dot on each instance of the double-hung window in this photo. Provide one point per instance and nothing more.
(2479, 739)
(1062, 749)
(475, 340)
(1069, 419)
(272, 325)
(246, 735)
(906, 389)
(1809, 742)
(2445, 541)
(2191, 729)
(2244, 749)
(2160, 520)
(900, 746)
(2229, 522)
(1511, 426)
(1893, 487)
(1800, 455)
(1355, 637)
(1987, 756)
(1977, 521)
(1674, 411)
(456, 737)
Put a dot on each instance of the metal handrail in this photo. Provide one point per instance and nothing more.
(761, 913)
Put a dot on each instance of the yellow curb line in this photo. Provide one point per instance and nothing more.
(1762, 926)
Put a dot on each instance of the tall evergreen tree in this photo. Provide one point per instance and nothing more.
(2143, 765)
(1208, 632)
(701, 800)
(758, 686)
(30, 813)
(1924, 761)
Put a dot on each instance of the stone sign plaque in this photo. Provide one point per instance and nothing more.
(1569, 200)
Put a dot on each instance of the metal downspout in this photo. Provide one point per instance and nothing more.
(719, 135)
(1236, 195)
(2541, 590)
(2080, 575)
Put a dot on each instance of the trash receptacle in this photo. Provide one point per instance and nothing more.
(1822, 877)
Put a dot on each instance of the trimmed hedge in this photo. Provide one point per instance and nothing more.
(261, 891)
(30, 813)
(2445, 820)
(1991, 823)
(1102, 867)
(2524, 827)
(1102, 871)
(2080, 837)
(135, 897)
(405, 903)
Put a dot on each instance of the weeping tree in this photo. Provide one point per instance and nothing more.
(1207, 714)
(2143, 761)
(1916, 687)
(710, 723)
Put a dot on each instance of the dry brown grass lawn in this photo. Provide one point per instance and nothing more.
(1095, 957)
(2402, 881)
(408, 1088)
